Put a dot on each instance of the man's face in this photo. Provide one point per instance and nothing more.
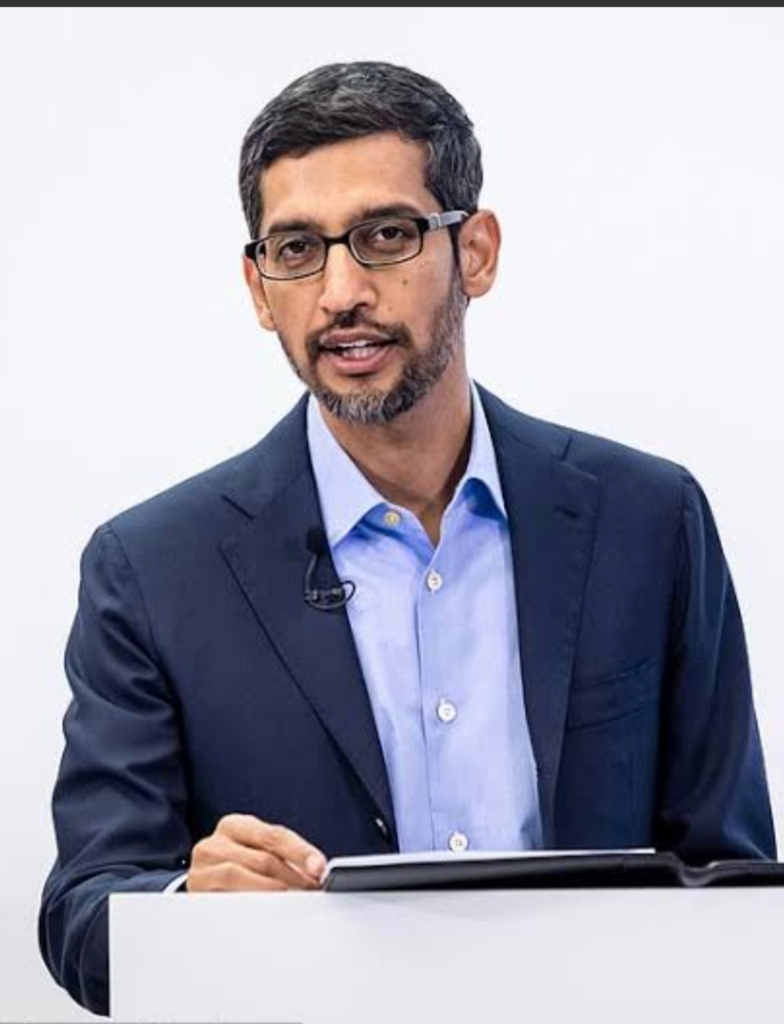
(411, 312)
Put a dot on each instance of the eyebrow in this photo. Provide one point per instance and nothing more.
(363, 214)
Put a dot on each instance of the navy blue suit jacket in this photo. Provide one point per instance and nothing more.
(203, 684)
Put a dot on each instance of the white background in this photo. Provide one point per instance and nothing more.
(636, 160)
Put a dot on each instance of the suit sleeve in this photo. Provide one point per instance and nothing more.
(713, 800)
(120, 799)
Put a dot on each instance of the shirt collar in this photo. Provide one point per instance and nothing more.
(347, 496)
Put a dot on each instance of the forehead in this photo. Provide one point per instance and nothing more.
(331, 185)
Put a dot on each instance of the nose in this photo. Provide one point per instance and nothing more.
(346, 284)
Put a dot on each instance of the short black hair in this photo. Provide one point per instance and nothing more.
(347, 101)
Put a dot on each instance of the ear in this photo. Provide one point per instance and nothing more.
(479, 243)
(255, 283)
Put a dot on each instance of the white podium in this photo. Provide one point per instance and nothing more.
(644, 956)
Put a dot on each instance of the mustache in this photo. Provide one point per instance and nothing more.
(353, 319)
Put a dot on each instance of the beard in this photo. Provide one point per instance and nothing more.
(421, 370)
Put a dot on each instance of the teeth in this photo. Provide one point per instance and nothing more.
(356, 349)
(356, 344)
(361, 351)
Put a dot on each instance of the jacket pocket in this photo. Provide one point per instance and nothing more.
(596, 701)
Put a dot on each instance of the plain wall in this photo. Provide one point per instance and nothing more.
(636, 160)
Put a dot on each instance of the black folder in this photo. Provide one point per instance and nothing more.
(567, 869)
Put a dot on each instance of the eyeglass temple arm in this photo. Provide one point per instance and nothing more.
(443, 220)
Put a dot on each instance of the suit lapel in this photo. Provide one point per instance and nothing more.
(552, 514)
(267, 554)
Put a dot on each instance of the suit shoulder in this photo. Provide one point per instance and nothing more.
(211, 498)
(184, 504)
(604, 456)
(598, 456)
(635, 485)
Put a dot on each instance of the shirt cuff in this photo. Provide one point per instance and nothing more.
(177, 884)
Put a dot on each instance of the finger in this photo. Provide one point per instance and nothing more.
(277, 839)
(220, 849)
(230, 877)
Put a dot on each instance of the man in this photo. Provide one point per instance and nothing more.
(411, 617)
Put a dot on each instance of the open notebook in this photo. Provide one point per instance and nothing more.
(558, 869)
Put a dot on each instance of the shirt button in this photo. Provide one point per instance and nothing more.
(392, 518)
(434, 581)
(447, 712)
(458, 843)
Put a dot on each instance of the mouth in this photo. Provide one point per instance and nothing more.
(360, 355)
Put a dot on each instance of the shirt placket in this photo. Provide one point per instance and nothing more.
(441, 725)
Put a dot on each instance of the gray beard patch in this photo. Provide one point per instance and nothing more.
(420, 373)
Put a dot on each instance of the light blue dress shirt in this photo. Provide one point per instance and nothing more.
(436, 635)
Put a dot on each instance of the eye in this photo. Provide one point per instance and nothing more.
(388, 232)
(296, 247)
(293, 249)
(388, 237)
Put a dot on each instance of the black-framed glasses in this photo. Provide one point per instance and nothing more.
(380, 242)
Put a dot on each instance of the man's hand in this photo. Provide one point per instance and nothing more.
(245, 853)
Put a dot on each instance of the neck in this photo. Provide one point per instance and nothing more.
(416, 460)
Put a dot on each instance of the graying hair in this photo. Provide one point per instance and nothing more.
(347, 101)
